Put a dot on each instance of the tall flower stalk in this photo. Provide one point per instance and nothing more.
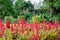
(37, 31)
(23, 23)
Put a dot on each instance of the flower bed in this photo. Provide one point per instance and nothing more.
(29, 31)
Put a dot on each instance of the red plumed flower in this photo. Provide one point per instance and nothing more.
(56, 26)
(49, 25)
(1, 30)
(32, 26)
(23, 24)
(0, 21)
(8, 24)
(36, 24)
(44, 26)
(36, 38)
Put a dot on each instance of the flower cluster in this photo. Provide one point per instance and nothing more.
(29, 31)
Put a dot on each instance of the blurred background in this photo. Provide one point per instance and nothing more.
(30, 9)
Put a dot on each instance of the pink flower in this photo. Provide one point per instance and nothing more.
(49, 25)
(14, 24)
(36, 38)
(32, 26)
(1, 35)
(23, 21)
(14, 28)
(56, 26)
(0, 21)
(11, 28)
(36, 24)
(1, 30)
(44, 26)
(1, 24)
(23, 24)
(8, 24)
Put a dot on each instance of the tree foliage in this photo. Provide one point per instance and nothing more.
(50, 8)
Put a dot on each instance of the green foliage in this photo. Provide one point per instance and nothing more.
(36, 18)
(49, 10)
(20, 17)
(6, 8)
(8, 18)
(45, 6)
(11, 19)
(57, 4)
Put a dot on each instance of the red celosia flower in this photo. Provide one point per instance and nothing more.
(23, 21)
(44, 26)
(1, 30)
(23, 24)
(0, 21)
(14, 24)
(49, 25)
(1, 24)
(14, 28)
(56, 26)
(36, 24)
(32, 26)
(8, 24)
(21, 30)
(11, 27)
(36, 38)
